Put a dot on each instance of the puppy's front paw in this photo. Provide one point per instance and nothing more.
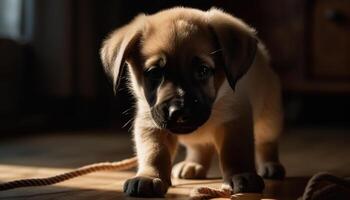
(188, 170)
(247, 183)
(142, 186)
(272, 170)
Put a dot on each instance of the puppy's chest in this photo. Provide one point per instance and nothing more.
(204, 134)
(226, 112)
(200, 136)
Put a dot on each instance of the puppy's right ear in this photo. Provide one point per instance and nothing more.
(238, 43)
(116, 49)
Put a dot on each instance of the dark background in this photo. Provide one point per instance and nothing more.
(52, 78)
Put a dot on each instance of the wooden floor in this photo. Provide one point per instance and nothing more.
(303, 151)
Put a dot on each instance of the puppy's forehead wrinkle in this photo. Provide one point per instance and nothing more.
(183, 29)
(172, 35)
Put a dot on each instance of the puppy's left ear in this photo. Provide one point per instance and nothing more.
(118, 48)
(237, 41)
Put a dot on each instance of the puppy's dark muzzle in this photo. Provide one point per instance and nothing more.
(180, 116)
(179, 120)
(184, 120)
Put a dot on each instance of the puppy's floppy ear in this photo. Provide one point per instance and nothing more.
(116, 49)
(237, 41)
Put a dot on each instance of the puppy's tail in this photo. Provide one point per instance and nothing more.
(87, 169)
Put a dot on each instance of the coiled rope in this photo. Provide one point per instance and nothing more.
(338, 186)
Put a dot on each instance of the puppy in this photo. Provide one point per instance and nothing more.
(201, 79)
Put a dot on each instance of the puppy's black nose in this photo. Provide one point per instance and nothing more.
(178, 114)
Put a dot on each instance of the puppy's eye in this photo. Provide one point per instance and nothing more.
(155, 73)
(203, 72)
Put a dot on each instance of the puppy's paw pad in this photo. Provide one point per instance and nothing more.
(188, 170)
(142, 186)
(247, 183)
(272, 170)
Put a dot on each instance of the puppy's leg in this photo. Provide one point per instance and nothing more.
(154, 151)
(196, 164)
(235, 147)
(268, 120)
(266, 142)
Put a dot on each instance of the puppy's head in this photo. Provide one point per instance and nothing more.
(177, 60)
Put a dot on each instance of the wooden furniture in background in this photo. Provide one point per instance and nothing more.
(331, 40)
(309, 41)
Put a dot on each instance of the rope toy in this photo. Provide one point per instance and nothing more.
(202, 193)
(312, 192)
(104, 166)
(205, 193)
(339, 188)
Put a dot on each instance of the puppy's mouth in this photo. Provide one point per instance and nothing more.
(181, 129)
(180, 121)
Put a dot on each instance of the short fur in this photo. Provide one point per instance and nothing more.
(239, 105)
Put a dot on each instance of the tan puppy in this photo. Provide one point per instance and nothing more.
(202, 79)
